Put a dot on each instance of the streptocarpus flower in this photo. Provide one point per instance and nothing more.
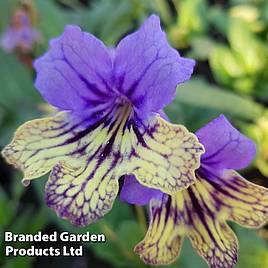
(20, 34)
(109, 123)
(201, 211)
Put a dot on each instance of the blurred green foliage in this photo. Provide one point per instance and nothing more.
(229, 40)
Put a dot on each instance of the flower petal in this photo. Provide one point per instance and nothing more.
(159, 154)
(215, 242)
(148, 69)
(207, 230)
(186, 213)
(84, 180)
(162, 243)
(201, 212)
(242, 201)
(163, 156)
(83, 195)
(135, 193)
(226, 147)
(39, 144)
(75, 73)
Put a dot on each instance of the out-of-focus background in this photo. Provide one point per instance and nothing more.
(228, 39)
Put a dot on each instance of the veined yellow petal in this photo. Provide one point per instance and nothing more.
(88, 159)
(186, 214)
(163, 240)
(201, 212)
(161, 155)
(82, 195)
(39, 144)
(240, 200)
(164, 156)
(219, 248)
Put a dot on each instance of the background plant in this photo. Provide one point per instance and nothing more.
(229, 40)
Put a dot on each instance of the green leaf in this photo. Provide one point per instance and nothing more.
(19, 98)
(225, 65)
(13, 118)
(191, 22)
(253, 250)
(109, 20)
(21, 262)
(199, 94)
(2, 114)
(193, 16)
(216, 64)
(245, 43)
(6, 8)
(218, 17)
(201, 47)
(16, 83)
(119, 250)
(23, 225)
(162, 7)
(7, 210)
(130, 233)
(193, 117)
(264, 12)
(189, 257)
(258, 131)
(26, 221)
(52, 18)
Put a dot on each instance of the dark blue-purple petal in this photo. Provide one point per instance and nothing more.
(148, 69)
(75, 74)
(226, 147)
(134, 193)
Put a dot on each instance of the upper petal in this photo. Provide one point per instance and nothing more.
(147, 68)
(226, 147)
(75, 73)
(135, 193)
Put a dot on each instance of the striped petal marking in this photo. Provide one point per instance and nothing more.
(200, 212)
(87, 161)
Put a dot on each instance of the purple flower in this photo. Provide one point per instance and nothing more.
(109, 124)
(201, 211)
(20, 34)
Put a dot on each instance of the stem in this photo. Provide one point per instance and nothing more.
(112, 235)
(141, 218)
